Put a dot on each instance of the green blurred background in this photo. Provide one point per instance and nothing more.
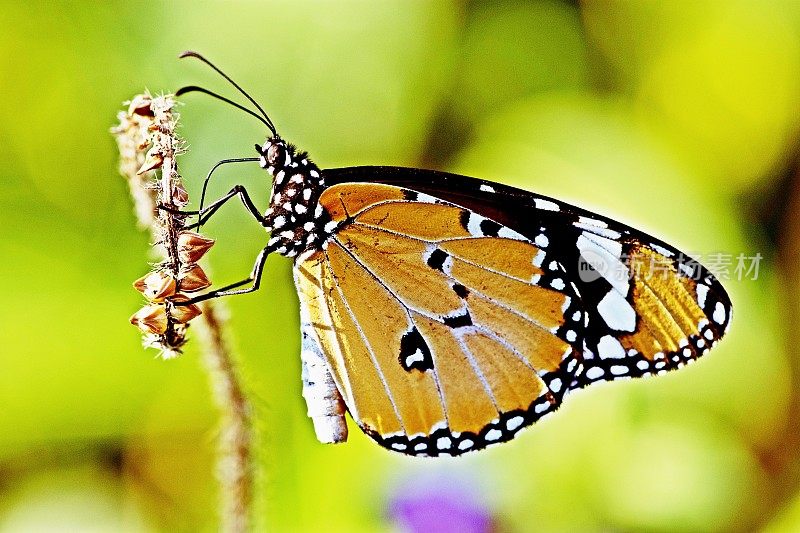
(680, 118)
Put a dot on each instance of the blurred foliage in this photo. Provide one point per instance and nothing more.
(680, 118)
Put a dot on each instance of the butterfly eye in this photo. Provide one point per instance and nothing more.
(275, 155)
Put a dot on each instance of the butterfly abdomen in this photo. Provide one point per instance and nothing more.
(326, 407)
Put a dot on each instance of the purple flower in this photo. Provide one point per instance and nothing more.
(440, 505)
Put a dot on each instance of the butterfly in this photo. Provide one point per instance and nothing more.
(447, 313)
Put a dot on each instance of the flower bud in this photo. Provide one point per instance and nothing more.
(151, 319)
(183, 313)
(192, 246)
(192, 279)
(156, 286)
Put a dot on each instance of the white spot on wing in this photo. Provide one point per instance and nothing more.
(719, 313)
(610, 348)
(486, 188)
(604, 262)
(539, 258)
(514, 423)
(414, 357)
(474, 225)
(509, 233)
(610, 245)
(593, 222)
(663, 251)
(595, 372)
(493, 434)
(619, 370)
(546, 205)
(617, 312)
(426, 198)
(702, 292)
(607, 233)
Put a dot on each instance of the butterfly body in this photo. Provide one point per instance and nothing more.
(294, 217)
(447, 313)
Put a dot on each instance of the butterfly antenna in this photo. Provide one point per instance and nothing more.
(196, 89)
(191, 53)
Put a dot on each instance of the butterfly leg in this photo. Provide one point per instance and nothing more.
(206, 213)
(215, 167)
(228, 290)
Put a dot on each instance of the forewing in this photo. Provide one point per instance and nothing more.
(647, 307)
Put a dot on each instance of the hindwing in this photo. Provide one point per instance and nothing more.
(445, 330)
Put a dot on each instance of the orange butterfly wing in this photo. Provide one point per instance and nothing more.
(442, 331)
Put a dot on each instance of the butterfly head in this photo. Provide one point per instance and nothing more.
(274, 154)
(294, 214)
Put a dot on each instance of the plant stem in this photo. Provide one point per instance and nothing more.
(235, 459)
(235, 462)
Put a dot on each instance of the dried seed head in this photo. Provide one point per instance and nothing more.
(152, 160)
(156, 286)
(192, 246)
(151, 319)
(183, 313)
(140, 105)
(149, 147)
(193, 279)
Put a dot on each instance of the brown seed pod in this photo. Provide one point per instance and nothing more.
(179, 196)
(151, 319)
(192, 279)
(183, 313)
(192, 246)
(152, 160)
(156, 286)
